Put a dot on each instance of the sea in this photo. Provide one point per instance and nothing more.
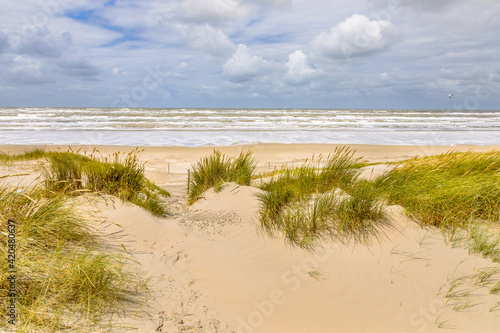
(222, 127)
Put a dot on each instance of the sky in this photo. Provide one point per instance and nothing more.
(394, 54)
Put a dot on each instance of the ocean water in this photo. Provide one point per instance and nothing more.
(202, 127)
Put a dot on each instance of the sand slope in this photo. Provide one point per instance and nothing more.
(213, 270)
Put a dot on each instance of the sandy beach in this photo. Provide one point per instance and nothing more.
(212, 269)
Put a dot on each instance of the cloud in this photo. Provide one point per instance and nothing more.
(213, 11)
(243, 66)
(212, 41)
(356, 36)
(272, 3)
(27, 70)
(42, 44)
(299, 69)
(76, 66)
(428, 5)
(4, 42)
(138, 14)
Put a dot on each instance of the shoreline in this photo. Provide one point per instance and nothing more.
(265, 151)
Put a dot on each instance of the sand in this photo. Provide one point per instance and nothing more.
(212, 269)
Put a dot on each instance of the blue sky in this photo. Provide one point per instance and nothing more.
(251, 53)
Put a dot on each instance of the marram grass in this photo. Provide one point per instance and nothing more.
(305, 204)
(447, 190)
(26, 156)
(121, 175)
(457, 192)
(216, 169)
(65, 280)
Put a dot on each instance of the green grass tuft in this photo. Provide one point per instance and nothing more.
(119, 175)
(216, 169)
(27, 156)
(302, 204)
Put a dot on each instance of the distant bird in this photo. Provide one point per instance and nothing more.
(450, 95)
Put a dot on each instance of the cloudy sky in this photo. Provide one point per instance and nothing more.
(251, 53)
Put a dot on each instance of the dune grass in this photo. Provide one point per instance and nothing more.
(447, 190)
(26, 156)
(121, 175)
(64, 279)
(216, 169)
(306, 204)
(458, 192)
(67, 279)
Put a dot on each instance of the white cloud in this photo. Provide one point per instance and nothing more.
(356, 36)
(213, 11)
(212, 41)
(299, 69)
(243, 66)
(25, 69)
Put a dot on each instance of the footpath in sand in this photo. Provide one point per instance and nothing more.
(211, 269)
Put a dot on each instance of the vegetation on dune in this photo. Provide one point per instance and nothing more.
(216, 169)
(458, 192)
(26, 156)
(305, 204)
(447, 190)
(63, 272)
(121, 175)
(64, 279)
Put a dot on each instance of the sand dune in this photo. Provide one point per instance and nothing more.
(217, 272)
(212, 269)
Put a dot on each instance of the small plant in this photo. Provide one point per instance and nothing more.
(216, 169)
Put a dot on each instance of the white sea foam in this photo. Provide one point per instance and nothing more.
(194, 127)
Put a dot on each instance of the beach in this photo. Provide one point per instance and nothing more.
(211, 268)
(250, 166)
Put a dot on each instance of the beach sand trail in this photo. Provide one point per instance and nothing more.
(214, 270)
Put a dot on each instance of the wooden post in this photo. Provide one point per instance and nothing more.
(169, 168)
